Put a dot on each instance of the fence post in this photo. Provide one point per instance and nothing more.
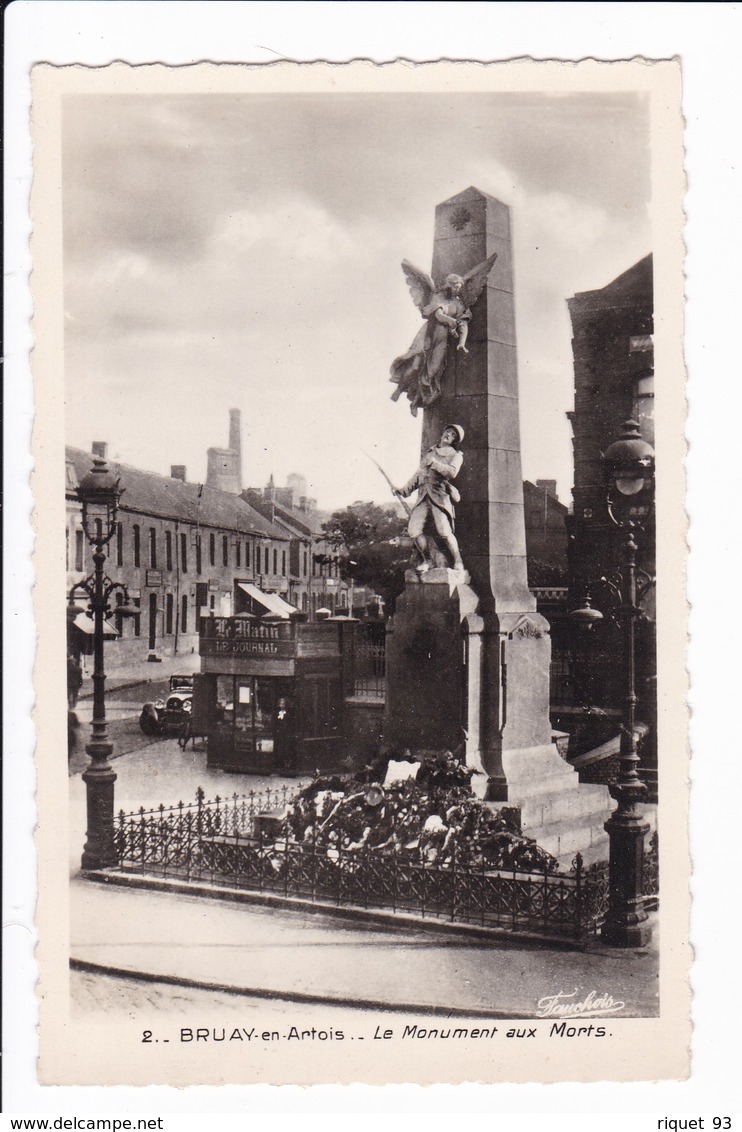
(121, 846)
(143, 837)
(314, 860)
(395, 858)
(340, 868)
(579, 909)
(365, 873)
(163, 839)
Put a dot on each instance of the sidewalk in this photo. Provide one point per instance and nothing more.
(142, 672)
(268, 952)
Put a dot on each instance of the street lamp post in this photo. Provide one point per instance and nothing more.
(629, 464)
(99, 493)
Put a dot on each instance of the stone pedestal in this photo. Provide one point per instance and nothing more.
(427, 697)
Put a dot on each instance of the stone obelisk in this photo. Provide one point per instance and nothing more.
(480, 392)
(472, 658)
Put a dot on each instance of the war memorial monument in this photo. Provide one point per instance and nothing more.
(468, 656)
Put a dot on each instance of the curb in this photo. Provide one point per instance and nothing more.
(91, 968)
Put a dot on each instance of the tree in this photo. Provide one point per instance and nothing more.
(374, 547)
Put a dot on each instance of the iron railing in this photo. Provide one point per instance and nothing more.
(244, 842)
(369, 670)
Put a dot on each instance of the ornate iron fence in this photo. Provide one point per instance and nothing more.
(243, 842)
(369, 670)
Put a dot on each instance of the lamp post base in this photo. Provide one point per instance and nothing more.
(626, 934)
(626, 924)
(99, 851)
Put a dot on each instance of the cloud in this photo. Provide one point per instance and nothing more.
(242, 250)
(295, 230)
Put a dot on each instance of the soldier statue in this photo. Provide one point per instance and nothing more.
(431, 523)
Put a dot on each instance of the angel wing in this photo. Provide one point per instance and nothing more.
(420, 284)
(475, 280)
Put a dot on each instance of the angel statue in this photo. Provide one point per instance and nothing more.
(447, 311)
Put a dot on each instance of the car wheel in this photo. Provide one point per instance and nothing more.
(148, 723)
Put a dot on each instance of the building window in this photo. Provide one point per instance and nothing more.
(137, 546)
(283, 563)
(247, 553)
(306, 563)
(153, 548)
(168, 614)
(198, 554)
(225, 550)
(137, 618)
(117, 618)
(168, 550)
(212, 602)
(275, 561)
(184, 552)
(67, 548)
(79, 550)
(119, 544)
(237, 552)
(184, 613)
(266, 562)
(212, 549)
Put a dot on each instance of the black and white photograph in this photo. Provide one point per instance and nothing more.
(360, 467)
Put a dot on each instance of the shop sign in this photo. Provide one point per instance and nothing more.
(153, 578)
(237, 636)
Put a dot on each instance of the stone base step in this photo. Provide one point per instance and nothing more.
(564, 844)
(570, 806)
(562, 815)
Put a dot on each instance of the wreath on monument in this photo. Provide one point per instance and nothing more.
(417, 820)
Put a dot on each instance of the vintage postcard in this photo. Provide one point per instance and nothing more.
(359, 573)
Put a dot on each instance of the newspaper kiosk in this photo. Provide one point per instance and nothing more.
(269, 695)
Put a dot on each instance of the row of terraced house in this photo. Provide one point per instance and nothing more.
(190, 550)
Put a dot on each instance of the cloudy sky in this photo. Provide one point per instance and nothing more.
(244, 251)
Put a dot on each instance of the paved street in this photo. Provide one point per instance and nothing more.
(296, 955)
(94, 993)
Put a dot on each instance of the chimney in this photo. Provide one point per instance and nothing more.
(235, 443)
(178, 472)
(549, 486)
(100, 448)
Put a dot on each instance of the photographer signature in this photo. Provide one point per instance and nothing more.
(566, 1005)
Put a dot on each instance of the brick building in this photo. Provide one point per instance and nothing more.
(546, 531)
(614, 381)
(183, 550)
(314, 564)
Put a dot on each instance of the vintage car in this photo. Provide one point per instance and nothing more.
(167, 716)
